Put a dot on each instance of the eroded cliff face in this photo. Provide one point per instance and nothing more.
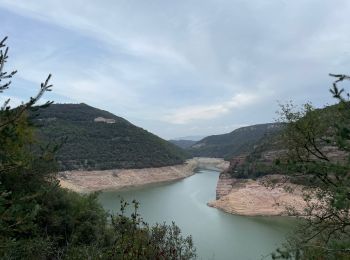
(253, 197)
(226, 181)
(224, 185)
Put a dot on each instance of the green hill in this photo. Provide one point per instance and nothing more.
(239, 141)
(97, 139)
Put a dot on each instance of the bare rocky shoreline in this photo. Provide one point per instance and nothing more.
(239, 197)
(254, 198)
(90, 181)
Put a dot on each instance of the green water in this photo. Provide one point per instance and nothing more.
(217, 235)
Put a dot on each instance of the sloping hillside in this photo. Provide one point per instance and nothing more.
(317, 125)
(184, 144)
(97, 139)
(239, 141)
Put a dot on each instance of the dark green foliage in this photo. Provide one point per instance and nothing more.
(262, 159)
(59, 220)
(275, 147)
(239, 141)
(67, 225)
(99, 145)
(134, 239)
(252, 170)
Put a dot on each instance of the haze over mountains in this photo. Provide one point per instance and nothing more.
(237, 142)
(190, 137)
(183, 143)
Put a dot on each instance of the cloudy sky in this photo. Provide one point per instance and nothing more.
(179, 68)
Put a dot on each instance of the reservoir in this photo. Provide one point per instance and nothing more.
(216, 234)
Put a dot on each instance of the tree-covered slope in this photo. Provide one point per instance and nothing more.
(184, 144)
(239, 141)
(307, 125)
(97, 139)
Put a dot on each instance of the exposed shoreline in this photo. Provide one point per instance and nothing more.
(118, 179)
(253, 198)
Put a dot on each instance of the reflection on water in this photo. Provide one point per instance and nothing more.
(217, 235)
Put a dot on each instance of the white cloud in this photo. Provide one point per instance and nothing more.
(175, 60)
(192, 113)
(102, 24)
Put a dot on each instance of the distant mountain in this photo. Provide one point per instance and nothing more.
(190, 138)
(239, 141)
(97, 139)
(184, 144)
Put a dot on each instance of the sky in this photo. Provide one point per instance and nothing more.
(178, 68)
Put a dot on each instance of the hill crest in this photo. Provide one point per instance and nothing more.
(98, 140)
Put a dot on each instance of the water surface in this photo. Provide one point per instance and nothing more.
(217, 235)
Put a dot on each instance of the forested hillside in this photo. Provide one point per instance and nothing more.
(273, 146)
(96, 139)
(239, 141)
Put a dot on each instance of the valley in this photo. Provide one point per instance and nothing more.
(217, 235)
(174, 130)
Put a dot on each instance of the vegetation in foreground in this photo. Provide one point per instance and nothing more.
(318, 155)
(40, 220)
(312, 150)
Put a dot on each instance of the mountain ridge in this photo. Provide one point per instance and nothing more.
(99, 140)
(237, 142)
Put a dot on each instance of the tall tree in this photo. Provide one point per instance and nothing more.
(318, 142)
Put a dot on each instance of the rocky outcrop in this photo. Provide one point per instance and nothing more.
(226, 182)
(253, 198)
(105, 120)
(224, 185)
